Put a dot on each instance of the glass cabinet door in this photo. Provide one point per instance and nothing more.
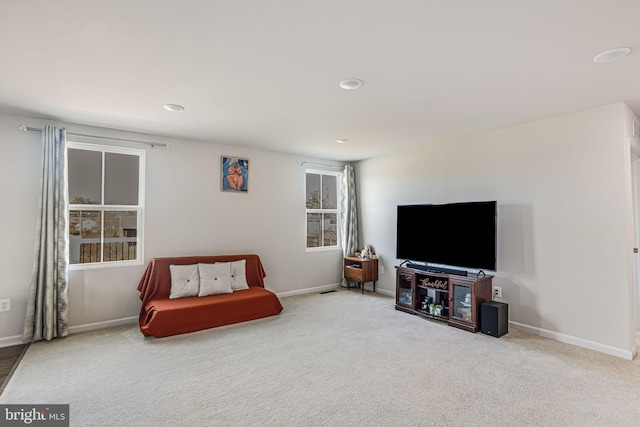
(405, 290)
(461, 302)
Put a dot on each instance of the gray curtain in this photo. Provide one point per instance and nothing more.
(349, 219)
(48, 296)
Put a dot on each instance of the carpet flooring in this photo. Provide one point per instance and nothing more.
(338, 359)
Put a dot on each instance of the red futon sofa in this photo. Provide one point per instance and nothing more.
(161, 316)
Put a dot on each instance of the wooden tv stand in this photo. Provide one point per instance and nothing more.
(459, 296)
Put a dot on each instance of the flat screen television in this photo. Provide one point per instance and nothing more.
(453, 234)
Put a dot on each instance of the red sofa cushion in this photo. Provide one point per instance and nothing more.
(167, 317)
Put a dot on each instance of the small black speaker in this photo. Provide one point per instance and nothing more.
(494, 318)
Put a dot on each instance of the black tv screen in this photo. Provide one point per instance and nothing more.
(454, 234)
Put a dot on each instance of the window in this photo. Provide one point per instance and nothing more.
(322, 195)
(106, 198)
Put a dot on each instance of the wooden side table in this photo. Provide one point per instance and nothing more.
(361, 270)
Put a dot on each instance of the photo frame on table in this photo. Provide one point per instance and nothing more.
(234, 174)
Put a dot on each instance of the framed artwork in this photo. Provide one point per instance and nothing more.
(234, 174)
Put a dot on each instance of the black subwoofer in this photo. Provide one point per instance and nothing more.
(494, 318)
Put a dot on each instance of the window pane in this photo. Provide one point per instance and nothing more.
(322, 194)
(120, 235)
(84, 236)
(313, 230)
(330, 228)
(329, 192)
(85, 176)
(313, 191)
(121, 179)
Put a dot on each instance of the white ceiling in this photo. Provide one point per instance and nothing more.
(265, 73)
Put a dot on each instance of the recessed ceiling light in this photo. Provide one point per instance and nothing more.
(343, 140)
(174, 108)
(611, 54)
(350, 84)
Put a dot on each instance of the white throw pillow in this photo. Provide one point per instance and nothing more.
(185, 281)
(215, 279)
(239, 275)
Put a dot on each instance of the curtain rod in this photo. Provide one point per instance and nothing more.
(151, 144)
(320, 164)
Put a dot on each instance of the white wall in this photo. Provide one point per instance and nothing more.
(563, 228)
(186, 214)
(633, 152)
(635, 166)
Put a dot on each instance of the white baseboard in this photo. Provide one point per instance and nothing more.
(323, 288)
(386, 292)
(602, 348)
(101, 325)
(17, 339)
(11, 341)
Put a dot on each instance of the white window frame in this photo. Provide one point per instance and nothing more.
(338, 245)
(139, 208)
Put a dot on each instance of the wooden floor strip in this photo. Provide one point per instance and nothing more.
(9, 359)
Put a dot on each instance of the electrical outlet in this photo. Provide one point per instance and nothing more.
(381, 270)
(497, 292)
(5, 304)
